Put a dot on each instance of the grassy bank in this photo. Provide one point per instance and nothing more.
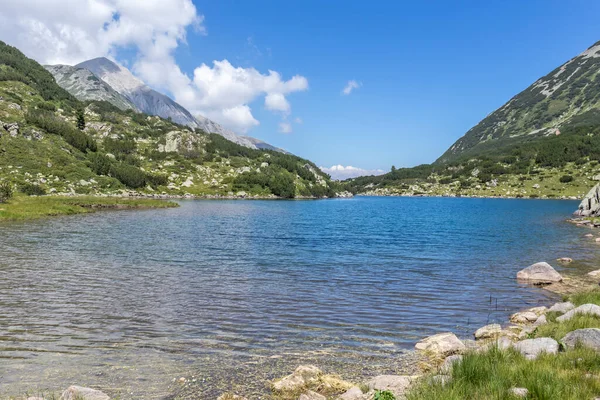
(570, 374)
(28, 207)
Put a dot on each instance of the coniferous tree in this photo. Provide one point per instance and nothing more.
(80, 120)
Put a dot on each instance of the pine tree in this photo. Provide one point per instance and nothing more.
(80, 120)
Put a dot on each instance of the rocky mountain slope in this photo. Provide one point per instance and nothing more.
(151, 102)
(545, 142)
(539, 111)
(50, 142)
(146, 99)
(210, 126)
(84, 85)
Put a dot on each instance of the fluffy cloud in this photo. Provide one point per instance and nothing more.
(350, 86)
(71, 31)
(340, 172)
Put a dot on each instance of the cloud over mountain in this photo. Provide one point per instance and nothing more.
(151, 30)
(341, 172)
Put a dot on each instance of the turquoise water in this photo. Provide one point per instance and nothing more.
(168, 292)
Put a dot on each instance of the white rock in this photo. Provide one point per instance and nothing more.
(446, 367)
(589, 337)
(442, 344)
(354, 393)
(562, 307)
(540, 321)
(519, 392)
(488, 331)
(532, 348)
(396, 384)
(594, 274)
(310, 395)
(590, 309)
(524, 317)
(539, 273)
(302, 375)
(83, 393)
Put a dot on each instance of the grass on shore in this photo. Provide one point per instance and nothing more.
(568, 375)
(571, 375)
(23, 207)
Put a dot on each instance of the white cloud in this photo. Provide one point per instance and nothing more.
(71, 31)
(285, 127)
(350, 86)
(298, 120)
(340, 172)
(277, 102)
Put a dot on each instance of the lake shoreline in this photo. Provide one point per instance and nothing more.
(185, 387)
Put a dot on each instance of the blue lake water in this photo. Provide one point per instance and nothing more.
(131, 300)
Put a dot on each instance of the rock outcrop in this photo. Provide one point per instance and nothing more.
(590, 205)
(539, 274)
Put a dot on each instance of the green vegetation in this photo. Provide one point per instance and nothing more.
(64, 146)
(545, 142)
(539, 111)
(571, 374)
(491, 374)
(384, 395)
(554, 166)
(6, 192)
(22, 207)
(588, 297)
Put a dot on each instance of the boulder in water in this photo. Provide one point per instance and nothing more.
(539, 273)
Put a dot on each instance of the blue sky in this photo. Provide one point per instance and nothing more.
(426, 71)
(429, 70)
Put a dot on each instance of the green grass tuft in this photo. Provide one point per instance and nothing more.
(490, 375)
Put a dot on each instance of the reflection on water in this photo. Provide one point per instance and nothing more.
(224, 290)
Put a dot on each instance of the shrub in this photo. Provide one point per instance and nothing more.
(32, 190)
(129, 175)
(100, 163)
(566, 179)
(384, 395)
(6, 192)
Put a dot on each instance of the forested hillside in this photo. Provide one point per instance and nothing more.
(545, 142)
(50, 142)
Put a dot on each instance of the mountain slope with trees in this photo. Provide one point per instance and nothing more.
(50, 142)
(545, 142)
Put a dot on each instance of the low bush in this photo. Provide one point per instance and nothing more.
(32, 190)
(566, 179)
(6, 192)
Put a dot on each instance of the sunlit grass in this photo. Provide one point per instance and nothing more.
(24, 207)
(490, 375)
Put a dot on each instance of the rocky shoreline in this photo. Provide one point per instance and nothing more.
(443, 350)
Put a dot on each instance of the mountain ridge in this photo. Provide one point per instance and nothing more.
(540, 110)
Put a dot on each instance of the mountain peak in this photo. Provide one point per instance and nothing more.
(117, 76)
